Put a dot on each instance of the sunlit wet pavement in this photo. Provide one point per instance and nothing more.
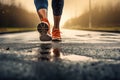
(82, 55)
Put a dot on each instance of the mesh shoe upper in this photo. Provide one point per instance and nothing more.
(56, 34)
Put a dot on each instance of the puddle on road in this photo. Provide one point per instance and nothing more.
(47, 52)
(77, 58)
(52, 52)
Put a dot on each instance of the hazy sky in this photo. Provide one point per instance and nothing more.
(72, 8)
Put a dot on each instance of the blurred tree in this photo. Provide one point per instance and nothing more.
(102, 16)
(16, 16)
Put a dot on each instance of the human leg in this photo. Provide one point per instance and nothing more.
(44, 26)
(41, 6)
(57, 6)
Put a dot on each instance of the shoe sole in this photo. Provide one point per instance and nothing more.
(43, 29)
(56, 40)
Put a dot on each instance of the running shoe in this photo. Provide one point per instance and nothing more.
(44, 30)
(56, 36)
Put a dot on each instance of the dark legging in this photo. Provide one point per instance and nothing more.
(57, 6)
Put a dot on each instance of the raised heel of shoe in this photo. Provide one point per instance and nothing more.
(43, 30)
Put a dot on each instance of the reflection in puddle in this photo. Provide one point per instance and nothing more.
(77, 58)
(52, 52)
(48, 51)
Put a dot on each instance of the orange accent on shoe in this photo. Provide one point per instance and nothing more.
(56, 34)
(46, 20)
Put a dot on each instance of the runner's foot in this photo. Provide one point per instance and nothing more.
(56, 35)
(44, 30)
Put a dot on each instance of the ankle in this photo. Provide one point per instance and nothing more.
(56, 28)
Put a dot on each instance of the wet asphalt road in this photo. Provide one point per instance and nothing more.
(82, 55)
